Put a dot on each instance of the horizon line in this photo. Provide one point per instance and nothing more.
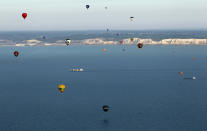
(104, 30)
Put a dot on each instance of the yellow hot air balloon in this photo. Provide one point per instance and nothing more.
(61, 88)
(132, 39)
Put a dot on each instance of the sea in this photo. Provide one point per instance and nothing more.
(142, 87)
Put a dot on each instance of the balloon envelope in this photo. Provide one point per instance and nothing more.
(181, 73)
(131, 18)
(105, 108)
(43, 37)
(132, 39)
(87, 6)
(123, 49)
(140, 45)
(67, 41)
(121, 42)
(16, 53)
(61, 88)
(24, 15)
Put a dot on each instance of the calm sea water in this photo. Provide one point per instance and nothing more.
(142, 88)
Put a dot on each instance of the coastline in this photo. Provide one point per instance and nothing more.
(102, 41)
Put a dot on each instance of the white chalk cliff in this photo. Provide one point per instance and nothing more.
(102, 41)
(148, 41)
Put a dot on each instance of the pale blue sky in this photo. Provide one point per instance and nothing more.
(72, 14)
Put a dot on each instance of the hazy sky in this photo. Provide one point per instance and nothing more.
(72, 14)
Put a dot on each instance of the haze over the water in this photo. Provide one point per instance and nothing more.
(72, 14)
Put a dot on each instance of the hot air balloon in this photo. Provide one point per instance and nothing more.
(193, 58)
(106, 7)
(121, 42)
(104, 49)
(24, 15)
(61, 88)
(16, 53)
(123, 49)
(67, 41)
(105, 108)
(131, 18)
(43, 37)
(87, 7)
(193, 78)
(140, 45)
(132, 39)
(181, 73)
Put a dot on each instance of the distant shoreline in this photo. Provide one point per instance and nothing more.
(102, 41)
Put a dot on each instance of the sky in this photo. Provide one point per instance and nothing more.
(72, 14)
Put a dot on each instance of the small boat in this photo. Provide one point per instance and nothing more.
(78, 70)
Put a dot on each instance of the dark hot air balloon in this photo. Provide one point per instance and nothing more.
(87, 6)
(43, 37)
(140, 45)
(105, 108)
(16, 53)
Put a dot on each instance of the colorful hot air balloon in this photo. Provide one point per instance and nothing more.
(105, 108)
(67, 41)
(61, 88)
(16, 53)
(140, 45)
(104, 49)
(24, 15)
(87, 7)
(121, 42)
(181, 73)
(131, 18)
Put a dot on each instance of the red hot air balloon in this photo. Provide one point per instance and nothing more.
(121, 42)
(140, 45)
(16, 53)
(24, 15)
(181, 73)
